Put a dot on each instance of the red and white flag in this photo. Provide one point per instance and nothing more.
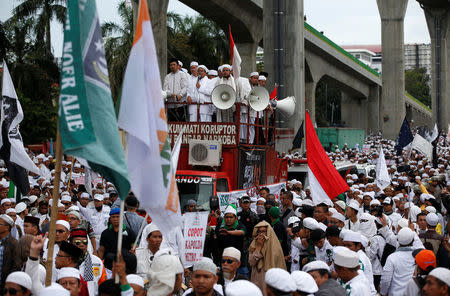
(325, 181)
(273, 94)
(235, 57)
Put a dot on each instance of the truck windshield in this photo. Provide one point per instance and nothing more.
(198, 188)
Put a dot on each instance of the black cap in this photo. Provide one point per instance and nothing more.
(74, 252)
(245, 198)
(132, 201)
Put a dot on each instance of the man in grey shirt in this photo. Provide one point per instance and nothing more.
(131, 219)
(320, 271)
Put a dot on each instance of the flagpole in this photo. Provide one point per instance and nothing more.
(70, 173)
(140, 231)
(120, 234)
(54, 210)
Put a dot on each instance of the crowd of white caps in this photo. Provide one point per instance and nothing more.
(367, 241)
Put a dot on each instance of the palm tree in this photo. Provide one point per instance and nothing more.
(46, 11)
(119, 39)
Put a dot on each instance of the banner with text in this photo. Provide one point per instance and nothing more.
(227, 198)
(194, 236)
(226, 133)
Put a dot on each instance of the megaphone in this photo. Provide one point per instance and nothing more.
(286, 106)
(223, 96)
(258, 98)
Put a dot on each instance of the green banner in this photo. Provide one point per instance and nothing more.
(87, 120)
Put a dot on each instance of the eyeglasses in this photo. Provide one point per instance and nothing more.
(62, 256)
(10, 291)
(229, 261)
(80, 241)
(60, 231)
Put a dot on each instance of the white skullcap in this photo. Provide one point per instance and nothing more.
(332, 210)
(432, 219)
(32, 198)
(180, 63)
(370, 193)
(232, 252)
(297, 202)
(220, 68)
(40, 156)
(405, 236)
(75, 213)
(430, 209)
(307, 202)
(20, 207)
(340, 204)
(310, 223)
(442, 274)
(162, 273)
(322, 226)
(339, 216)
(213, 72)
(261, 199)
(231, 210)
(346, 258)
(206, 264)
(84, 195)
(135, 279)
(293, 219)
(375, 202)
(242, 288)
(20, 278)
(316, 265)
(66, 198)
(254, 74)
(351, 236)
(262, 78)
(387, 201)
(7, 219)
(99, 197)
(193, 63)
(403, 223)
(226, 66)
(73, 208)
(304, 282)
(63, 223)
(5, 200)
(67, 272)
(65, 193)
(53, 290)
(280, 279)
(10, 210)
(203, 67)
(354, 205)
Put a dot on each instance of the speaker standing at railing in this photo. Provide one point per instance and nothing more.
(226, 115)
(175, 85)
(199, 91)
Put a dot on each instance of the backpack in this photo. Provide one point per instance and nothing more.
(388, 250)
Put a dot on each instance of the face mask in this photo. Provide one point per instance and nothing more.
(260, 210)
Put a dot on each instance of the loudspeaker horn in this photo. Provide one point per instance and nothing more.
(258, 98)
(223, 96)
(286, 106)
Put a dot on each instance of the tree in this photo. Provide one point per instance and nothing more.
(119, 39)
(46, 11)
(417, 83)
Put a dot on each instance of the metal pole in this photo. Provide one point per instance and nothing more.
(54, 211)
(120, 234)
(281, 47)
(437, 25)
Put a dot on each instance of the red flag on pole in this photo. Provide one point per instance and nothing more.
(235, 57)
(273, 94)
(325, 181)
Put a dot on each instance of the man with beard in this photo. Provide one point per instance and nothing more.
(98, 216)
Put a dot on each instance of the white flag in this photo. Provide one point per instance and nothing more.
(422, 146)
(11, 117)
(435, 133)
(382, 175)
(143, 118)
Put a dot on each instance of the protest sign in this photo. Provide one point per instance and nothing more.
(194, 236)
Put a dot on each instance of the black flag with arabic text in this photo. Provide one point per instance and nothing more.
(11, 145)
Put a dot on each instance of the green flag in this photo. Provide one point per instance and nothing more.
(87, 122)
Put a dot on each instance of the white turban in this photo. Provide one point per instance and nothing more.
(147, 230)
(162, 273)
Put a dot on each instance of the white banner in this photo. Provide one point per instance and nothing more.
(227, 198)
(194, 236)
(422, 146)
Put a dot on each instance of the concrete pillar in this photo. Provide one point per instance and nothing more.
(373, 107)
(392, 13)
(350, 111)
(438, 21)
(310, 99)
(158, 17)
(247, 51)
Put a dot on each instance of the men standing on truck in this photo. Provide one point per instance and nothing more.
(175, 85)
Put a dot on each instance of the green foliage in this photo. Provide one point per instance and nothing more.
(417, 84)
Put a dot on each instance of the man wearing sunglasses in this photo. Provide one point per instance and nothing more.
(231, 260)
(91, 267)
(17, 283)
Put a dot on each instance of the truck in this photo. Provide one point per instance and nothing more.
(221, 157)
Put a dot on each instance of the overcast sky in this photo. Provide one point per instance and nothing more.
(344, 21)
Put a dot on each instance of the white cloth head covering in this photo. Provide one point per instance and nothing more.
(99, 197)
(162, 273)
(293, 219)
(147, 230)
(405, 236)
(232, 252)
(340, 204)
(194, 63)
(212, 72)
(203, 67)
(66, 272)
(230, 209)
(226, 66)
(354, 205)
(402, 223)
(135, 279)
(206, 264)
(430, 209)
(345, 257)
(10, 210)
(339, 216)
(310, 223)
(432, 219)
(66, 198)
(367, 228)
(20, 207)
(315, 265)
(53, 290)
(242, 288)
(262, 78)
(352, 236)
(5, 200)
(280, 279)
(442, 274)
(7, 219)
(304, 282)
(254, 74)
(20, 278)
(63, 223)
